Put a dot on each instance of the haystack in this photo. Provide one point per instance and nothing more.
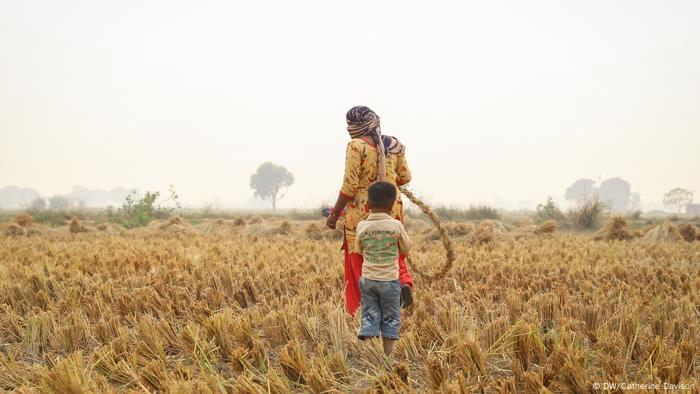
(256, 220)
(317, 232)
(285, 227)
(24, 219)
(77, 227)
(688, 232)
(617, 229)
(239, 222)
(455, 230)
(666, 232)
(487, 232)
(15, 230)
(173, 221)
(546, 227)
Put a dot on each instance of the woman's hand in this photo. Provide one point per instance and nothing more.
(331, 221)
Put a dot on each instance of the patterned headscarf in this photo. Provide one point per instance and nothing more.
(362, 122)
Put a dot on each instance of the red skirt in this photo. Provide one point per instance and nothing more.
(353, 272)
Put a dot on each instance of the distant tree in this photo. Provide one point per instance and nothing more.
(580, 191)
(271, 181)
(59, 203)
(37, 204)
(678, 198)
(615, 193)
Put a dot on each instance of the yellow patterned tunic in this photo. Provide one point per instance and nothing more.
(360, 172)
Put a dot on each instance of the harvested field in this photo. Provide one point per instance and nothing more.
(258, 308)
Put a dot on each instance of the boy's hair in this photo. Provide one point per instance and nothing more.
(381, 194)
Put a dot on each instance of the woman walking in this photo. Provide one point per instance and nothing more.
(370, 156)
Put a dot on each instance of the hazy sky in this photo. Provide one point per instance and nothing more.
(500, 99)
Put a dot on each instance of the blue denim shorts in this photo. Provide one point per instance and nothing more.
(381, 308)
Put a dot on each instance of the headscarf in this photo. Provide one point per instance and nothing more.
(362, 122)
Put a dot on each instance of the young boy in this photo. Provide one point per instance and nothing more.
(380, 239)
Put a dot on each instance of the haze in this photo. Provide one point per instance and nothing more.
(495, 101)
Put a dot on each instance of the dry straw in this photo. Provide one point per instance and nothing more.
(446, 241)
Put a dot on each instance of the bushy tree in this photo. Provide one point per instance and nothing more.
(580, 191)
(678, 198)
(38, 204)
(271, 181)
(615, 193)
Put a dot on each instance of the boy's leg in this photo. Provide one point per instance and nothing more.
(353, 271)
(388, 345)
(371, 316)
(390, 304)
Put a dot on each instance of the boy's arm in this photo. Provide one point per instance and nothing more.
(404, 241)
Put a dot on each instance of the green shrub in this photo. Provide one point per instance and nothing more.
(138, 212)
(548, 211)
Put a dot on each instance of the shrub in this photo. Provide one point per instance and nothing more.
(139, 212)
(588, 214)
(548, 211)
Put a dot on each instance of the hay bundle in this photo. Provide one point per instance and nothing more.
(456, 230)
(15, 230)
(547, 227)
(313, 231)
(208, 227)
(256, 220)
(688, 232)
(617, 229)
(461, 229)
(77, 227)
(239, 222)
(316, 232)
(485, 233)
(103, 227)
(173, 221)
(666, 232)
(285, 227)
(24, 219)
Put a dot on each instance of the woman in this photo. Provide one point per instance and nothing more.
(370, 156)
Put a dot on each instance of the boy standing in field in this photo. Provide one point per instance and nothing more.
(380, 239)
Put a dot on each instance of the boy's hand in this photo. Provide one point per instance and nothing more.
(331, 221)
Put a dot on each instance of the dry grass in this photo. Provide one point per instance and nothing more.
(242, 312)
